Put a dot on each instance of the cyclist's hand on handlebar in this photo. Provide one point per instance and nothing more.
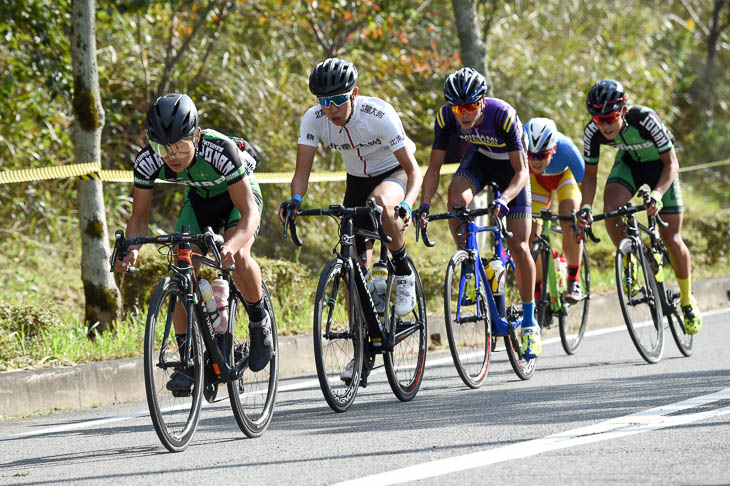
(498, 207)
(128, 261)
(292, 206)
(584, 218)
(403, 211)
(653, 203)
(227, 256)
(419, 215)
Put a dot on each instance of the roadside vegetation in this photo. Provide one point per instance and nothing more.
(541, 61)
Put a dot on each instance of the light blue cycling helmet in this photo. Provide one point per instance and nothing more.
(542, 134)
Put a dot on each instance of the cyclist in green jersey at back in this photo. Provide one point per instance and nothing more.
(221, 192)
(645, 156)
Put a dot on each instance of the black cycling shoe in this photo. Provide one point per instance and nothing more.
(262, 345)
(181, 382)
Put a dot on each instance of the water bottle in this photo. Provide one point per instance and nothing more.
(220, 294)
(561, 269)
(379, 285)
(211, 307)
(497, 280)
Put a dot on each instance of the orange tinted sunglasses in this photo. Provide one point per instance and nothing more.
(461, 109)
(605, 119)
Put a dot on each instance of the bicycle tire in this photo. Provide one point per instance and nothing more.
(175, 418)
(470, 339)
(343, 341)
(672, 311)
(642, 312)
(574, 318)
(253, 394)
(406, 362)
(524, 368)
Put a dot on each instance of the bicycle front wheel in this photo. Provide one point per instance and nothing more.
(253, 394)
(574, 317)
(175, 413)
(405, 363)
(338, 349)
(524, 368)
(640, 301)
(469, 334)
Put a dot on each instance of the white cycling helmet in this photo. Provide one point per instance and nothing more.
(542, 134)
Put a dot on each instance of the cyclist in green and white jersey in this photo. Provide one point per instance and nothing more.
(645, 156)
(221, 192)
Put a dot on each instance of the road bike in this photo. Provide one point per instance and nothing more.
(473, 322)
(646, 284)
(572, 317)
(349, 332)
(210, 359)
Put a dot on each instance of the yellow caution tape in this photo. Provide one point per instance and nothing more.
(93, 171)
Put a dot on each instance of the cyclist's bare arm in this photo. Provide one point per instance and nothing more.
(588, 190)
(242, 197)
(431, 179)
(413, 171)
(669, 171)
(137, 226)
(518, 160)
(300, 181)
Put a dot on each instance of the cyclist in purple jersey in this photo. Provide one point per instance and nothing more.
(496, 153)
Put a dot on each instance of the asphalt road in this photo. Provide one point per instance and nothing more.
(601, 416)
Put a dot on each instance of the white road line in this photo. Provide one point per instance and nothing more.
(293, 387)
(637, 423)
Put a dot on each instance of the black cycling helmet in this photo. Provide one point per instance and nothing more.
(605, 97)
(332, 76)
(172, 118)
(465, 86)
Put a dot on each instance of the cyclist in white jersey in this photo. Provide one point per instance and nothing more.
(378, 157)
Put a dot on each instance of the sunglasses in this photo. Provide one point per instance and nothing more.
(163, 151)
(337, 100)
(606, 119)
(470, 109)
(539, 155)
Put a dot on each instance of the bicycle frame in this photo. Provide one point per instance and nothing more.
(185, 275)
(552, 280)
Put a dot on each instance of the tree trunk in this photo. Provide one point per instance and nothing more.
(103, 302)
(473, 54)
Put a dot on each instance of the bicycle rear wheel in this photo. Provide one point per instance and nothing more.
(175, 414)
(672, 311)
(640, 301)
(469, 336)
(524, 368)
(573, 319)
(405, 363)
(337, 338)
(253, 394)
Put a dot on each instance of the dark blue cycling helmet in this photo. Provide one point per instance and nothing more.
(332, 76)
(465, 86)
(172, 118)
(606, 96)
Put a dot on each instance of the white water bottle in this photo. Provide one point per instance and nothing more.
(498, 281)
(206, 291)
(380, 284)
(220, 294)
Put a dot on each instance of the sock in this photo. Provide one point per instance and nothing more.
(399, 261)
(256, 312)
(528, 315)
(573, 272)
(538, 289)
(685, 291)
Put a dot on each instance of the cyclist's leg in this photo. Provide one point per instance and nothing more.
(568, 200)
(620, 188)
(461, 191)
(188, 217)
(540, 200)
(672, 213)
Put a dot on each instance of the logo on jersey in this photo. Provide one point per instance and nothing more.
(656, 129)
(480, 139)
(310, 137)
(396, 140)
(347, 146)
(213, 153)
(371, 110)
(148, 164)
